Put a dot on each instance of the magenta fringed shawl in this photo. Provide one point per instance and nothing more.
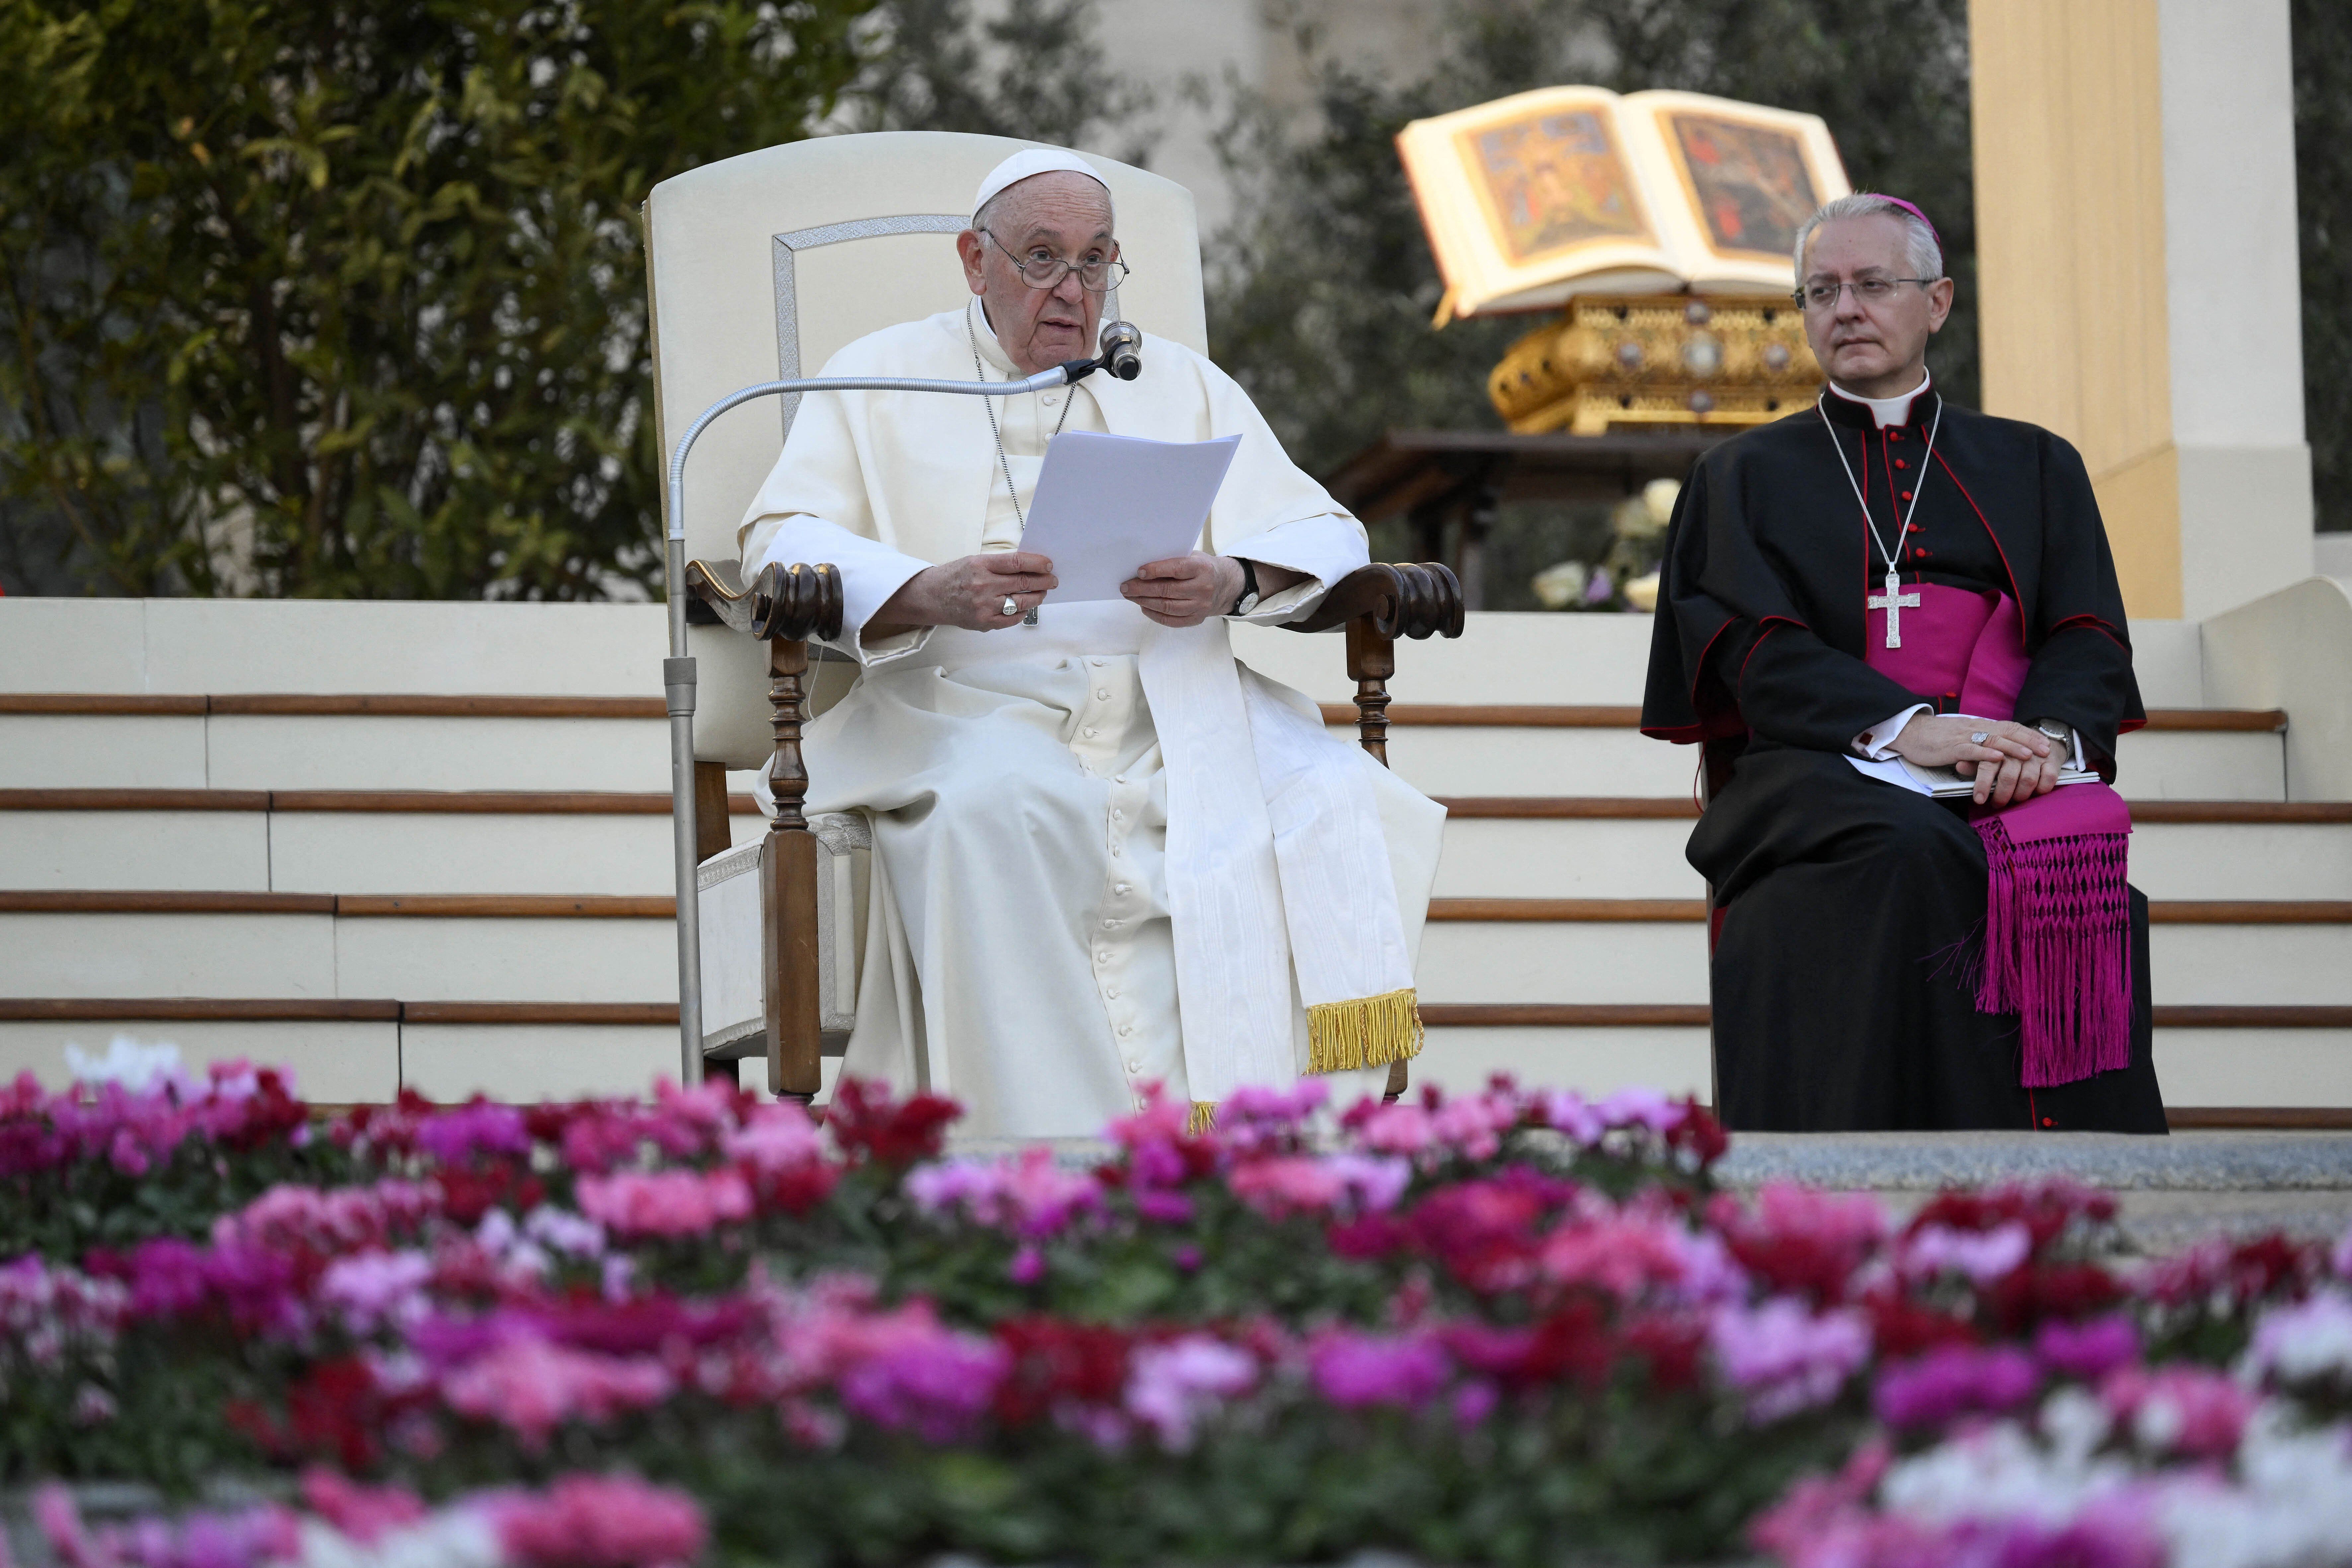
(2057, 935)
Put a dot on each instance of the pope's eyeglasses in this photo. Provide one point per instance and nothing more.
(1040, 269)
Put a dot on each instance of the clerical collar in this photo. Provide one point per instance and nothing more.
(989, 349)
(1885, 411)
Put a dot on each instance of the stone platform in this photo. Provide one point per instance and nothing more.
(2173, 1191)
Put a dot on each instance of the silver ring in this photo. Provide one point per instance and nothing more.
(1010, 607)
(1979, 739)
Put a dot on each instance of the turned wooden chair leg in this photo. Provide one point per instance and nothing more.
(1371, 661)
(788, 606)
(788, 889)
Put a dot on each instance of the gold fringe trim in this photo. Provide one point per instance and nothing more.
(1370, 1031)
(1203, 1119)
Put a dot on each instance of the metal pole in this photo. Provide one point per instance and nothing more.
(678, 670)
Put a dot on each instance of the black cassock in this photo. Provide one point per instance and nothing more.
(1848, 911)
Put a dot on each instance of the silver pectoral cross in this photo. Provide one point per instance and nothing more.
(1894, 602)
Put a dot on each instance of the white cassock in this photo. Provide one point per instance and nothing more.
(1107, 853)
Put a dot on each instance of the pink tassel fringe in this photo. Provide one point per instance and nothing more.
(2057, 949)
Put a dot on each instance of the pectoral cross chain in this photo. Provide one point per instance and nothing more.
(1894, 602)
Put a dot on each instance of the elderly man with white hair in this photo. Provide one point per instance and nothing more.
(1882, 595)
(1106, 854)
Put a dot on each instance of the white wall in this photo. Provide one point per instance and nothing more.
(2235, 312)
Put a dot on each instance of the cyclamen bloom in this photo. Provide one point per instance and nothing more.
(1783, 1357)
(1030, 1194)
(1954, 1380)
(1319, 1184)
(2087, 1350)
(1982, 1256)
(532, 1387)
(455, 1135)
(599, 1522)
(370, 1289)
(665, 1202)
(2188, 1410)
(1352, 1369)
(2307, 1342)
(1171, 1387)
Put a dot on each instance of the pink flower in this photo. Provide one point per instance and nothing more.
(532, 1387)
(1954, 1380)
(2087, 1350)
(1629, 1255)
(774, 1139)
(375, 1288)
(1354, 1369)
(1983, 1256)
(1171, 1387)
(665, 1202)
(1030, 1194)
(1399, 1129)
(1317, 1185)
(600, 1521)
(2180, 1409)
(363, 1513)
(1784, 1358)
(904, 1371)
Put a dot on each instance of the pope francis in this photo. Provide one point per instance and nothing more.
(1107, 853)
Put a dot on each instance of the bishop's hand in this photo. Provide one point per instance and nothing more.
(970, 593)
(2015, 762)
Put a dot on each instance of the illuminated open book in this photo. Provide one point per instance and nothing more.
(1568, 190)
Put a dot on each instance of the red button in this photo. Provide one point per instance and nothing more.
(1907, 495)
(1901, 464)
(1895, 435)
(2046, 1122)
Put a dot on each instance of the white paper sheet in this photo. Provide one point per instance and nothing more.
(1107, 505)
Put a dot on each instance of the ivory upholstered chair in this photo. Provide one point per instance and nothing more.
(760, 268)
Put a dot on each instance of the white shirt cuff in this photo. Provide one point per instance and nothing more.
(1877, 742)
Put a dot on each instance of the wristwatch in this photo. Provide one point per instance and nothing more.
(2061, 733)
(1248, 601)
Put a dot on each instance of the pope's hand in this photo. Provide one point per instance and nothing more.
(970, 593)
(1185, 590)
(2015, 762)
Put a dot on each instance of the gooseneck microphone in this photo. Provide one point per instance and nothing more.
(1122, 350)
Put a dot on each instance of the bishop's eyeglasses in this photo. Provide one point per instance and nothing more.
(1823, 296)
(1040, 269)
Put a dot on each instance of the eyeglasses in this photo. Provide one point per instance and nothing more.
(1040, 269)
(1869, 290)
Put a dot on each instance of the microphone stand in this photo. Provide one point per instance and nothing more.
(1120, 342)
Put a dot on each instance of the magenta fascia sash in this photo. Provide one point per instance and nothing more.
(2057, 940)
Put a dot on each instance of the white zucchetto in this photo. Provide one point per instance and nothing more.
(1032, 161)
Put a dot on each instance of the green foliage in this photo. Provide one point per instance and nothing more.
(1323, 287)
(347, 299)
(2323, 179)
(1032, 68)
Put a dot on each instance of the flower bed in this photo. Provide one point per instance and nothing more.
(1512, 1327)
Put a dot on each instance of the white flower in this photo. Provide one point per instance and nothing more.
(135, 1066)
(2308, 1340)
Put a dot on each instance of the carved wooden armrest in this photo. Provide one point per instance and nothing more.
(1378, 603)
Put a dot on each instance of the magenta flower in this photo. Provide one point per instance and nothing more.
(908, 1372)
(1955, 1380)
(370, 1289)
(2087, 1350)
(1354, 1369)
(455, 1135)
(1320, 1183)
(775, 1137)
(1030, 1194)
